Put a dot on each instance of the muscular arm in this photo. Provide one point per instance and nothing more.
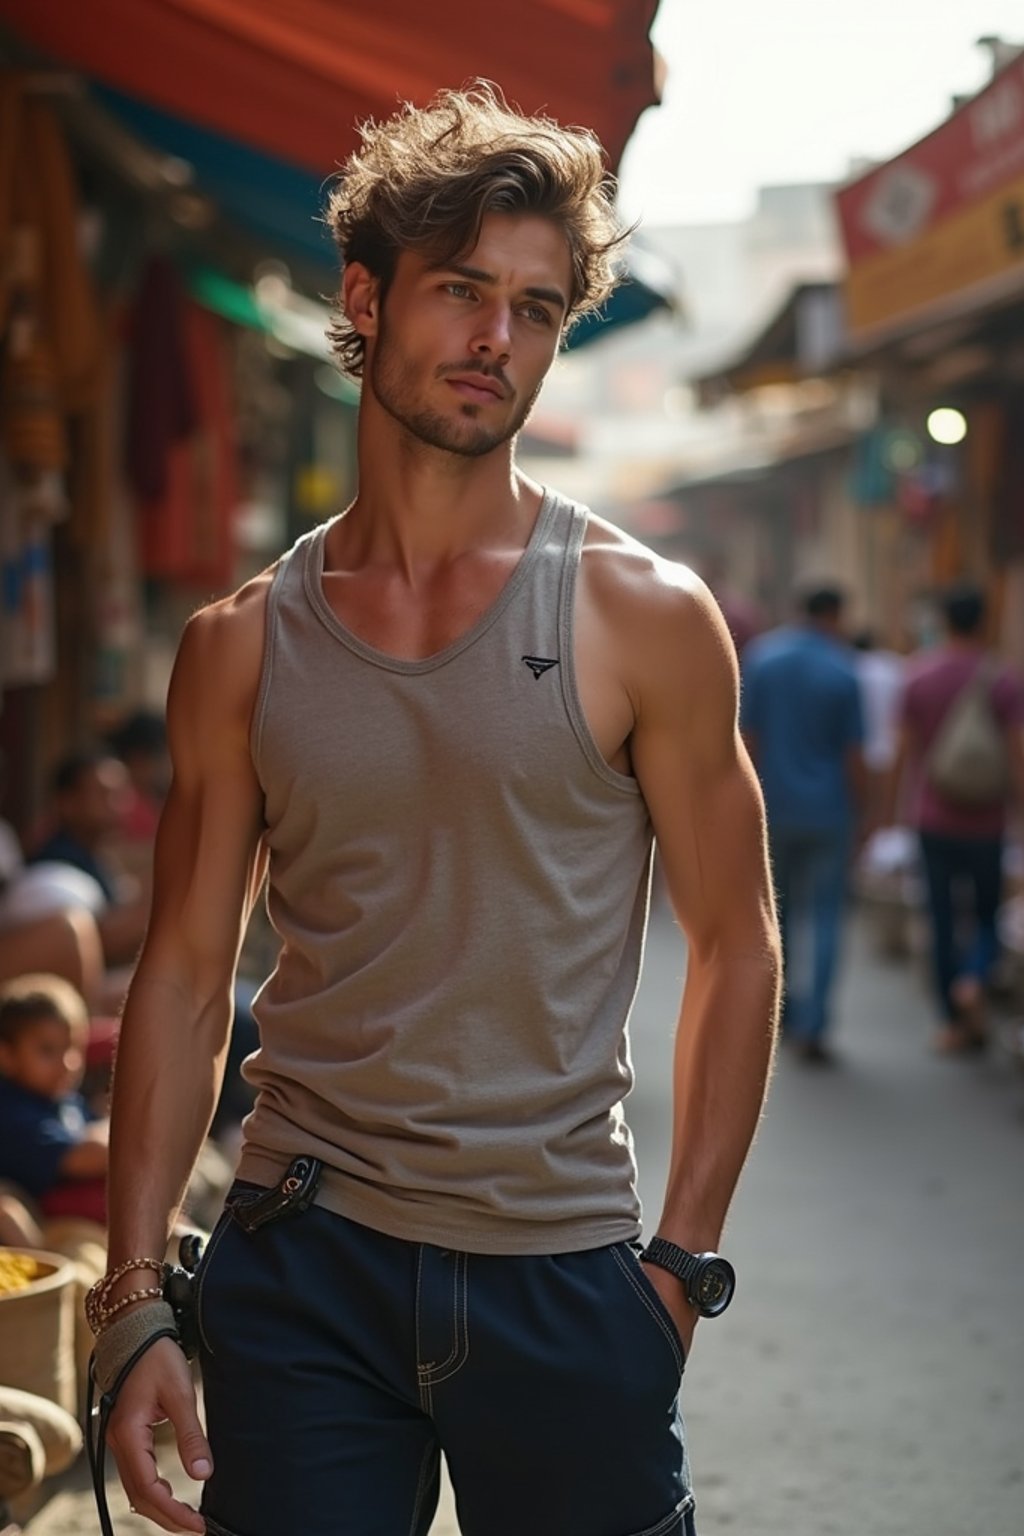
(207, 872)
(708, 818)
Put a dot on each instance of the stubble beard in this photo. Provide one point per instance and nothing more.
(393, 383)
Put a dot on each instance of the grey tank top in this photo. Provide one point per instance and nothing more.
(460, 885)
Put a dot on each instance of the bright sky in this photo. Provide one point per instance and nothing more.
(768, 91)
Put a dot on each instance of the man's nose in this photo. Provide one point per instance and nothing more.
(494, 333)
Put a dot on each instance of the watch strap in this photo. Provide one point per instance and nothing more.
(678, 1261)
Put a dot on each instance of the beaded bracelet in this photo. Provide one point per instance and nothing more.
(98, 1312)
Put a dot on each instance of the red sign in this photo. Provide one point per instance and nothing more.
(969, 156)
(943, 216)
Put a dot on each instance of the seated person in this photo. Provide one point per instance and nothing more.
(89, 789)
(64, 941)
(52, 1145)
(43, 925)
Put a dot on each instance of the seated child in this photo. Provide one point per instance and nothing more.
(51, 1144)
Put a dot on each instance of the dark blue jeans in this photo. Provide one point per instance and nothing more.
(338, 1363)
(964, 881)
(810, 867)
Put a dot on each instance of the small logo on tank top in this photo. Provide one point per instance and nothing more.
(538, 665)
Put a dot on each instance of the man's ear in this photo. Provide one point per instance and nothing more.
(360, 298)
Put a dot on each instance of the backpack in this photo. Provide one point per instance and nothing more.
(967, 761)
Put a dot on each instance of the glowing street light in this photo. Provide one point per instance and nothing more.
(947, 426)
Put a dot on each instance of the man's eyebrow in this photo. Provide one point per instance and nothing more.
(478, 275)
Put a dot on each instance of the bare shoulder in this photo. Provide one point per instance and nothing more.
(217, 671)
(228, 634)
(659, 610)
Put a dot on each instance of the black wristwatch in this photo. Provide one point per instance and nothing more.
(709, 1280)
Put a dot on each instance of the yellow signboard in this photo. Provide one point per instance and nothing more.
(966, 251)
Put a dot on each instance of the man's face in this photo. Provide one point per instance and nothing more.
(461, 349)
(44, 1058)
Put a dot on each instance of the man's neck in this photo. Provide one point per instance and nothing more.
(419, 506)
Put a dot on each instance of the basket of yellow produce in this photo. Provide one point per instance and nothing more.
(37, 1324)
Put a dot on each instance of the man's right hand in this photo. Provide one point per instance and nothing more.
(160, 1387)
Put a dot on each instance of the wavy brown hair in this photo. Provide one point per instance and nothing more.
(425, 179)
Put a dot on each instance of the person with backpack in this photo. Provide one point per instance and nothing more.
(961, 760)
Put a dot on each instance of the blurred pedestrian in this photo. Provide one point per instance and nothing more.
(803, 722)
(881, 674)
(961, 757)
(448, 722)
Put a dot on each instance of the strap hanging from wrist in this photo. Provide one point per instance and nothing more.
(117, 1352)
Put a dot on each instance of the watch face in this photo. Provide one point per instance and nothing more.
(715, 1285)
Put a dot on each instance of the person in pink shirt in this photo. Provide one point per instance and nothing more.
(961, 843)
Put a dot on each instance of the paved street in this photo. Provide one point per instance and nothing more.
(869, 1379)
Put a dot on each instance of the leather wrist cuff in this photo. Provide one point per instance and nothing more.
(126, 1337)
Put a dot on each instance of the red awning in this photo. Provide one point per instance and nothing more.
(293, 78)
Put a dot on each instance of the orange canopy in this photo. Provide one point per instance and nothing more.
(292, 77)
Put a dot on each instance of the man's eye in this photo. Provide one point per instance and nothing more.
(459, 290)
(537, 313)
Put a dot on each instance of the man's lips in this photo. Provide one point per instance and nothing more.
(477, 388)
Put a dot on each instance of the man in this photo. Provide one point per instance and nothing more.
(961, 839)
(802, 722)
(447, 722)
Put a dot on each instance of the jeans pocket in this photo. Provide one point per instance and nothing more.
(678, 1522)
(238, 1191)
(627, 1258)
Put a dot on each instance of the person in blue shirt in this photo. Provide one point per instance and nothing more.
(802, 719)
(52, 1146)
